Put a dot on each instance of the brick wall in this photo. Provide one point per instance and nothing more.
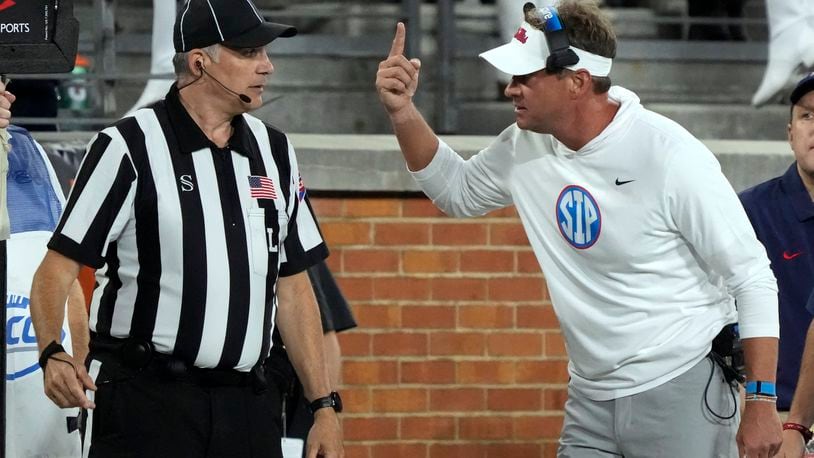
(457, 353)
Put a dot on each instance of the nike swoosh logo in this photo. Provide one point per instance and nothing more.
(620, 183)
(789, 256)
(6, 4)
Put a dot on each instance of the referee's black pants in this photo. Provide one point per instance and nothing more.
(143, 413)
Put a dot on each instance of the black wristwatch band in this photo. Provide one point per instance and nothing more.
(332, 400)
(52, 349)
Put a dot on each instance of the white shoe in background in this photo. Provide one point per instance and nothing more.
(162, 51)
(154, 91)
(791, 31)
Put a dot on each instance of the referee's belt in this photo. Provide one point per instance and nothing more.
(136, 355)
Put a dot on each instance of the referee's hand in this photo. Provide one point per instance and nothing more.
(66, 381)
(325, 437)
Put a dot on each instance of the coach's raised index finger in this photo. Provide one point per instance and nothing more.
(397, 48)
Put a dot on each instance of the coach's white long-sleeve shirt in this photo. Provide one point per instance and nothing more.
(642, 240)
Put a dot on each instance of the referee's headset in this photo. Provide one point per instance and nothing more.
(548, 21)
(243, 97)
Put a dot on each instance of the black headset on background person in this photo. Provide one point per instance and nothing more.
(559, 47)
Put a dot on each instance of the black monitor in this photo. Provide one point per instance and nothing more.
(37, 36)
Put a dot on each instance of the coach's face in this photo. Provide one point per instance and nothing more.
(801, 134)
(538, 99)
(246, 71)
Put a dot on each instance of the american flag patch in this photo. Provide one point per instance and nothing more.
(262, 187)
(301, 189)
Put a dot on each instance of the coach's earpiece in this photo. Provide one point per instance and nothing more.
(559, 46)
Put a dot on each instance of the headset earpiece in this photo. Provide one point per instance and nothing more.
(560, 54)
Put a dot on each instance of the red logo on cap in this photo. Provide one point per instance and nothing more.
(6, 4)
(521, 35)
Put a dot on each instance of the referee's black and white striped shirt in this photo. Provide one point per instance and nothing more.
(189, 238)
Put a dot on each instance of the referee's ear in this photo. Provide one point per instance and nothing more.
(196, 61)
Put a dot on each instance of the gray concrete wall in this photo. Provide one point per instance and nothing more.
(373, 163)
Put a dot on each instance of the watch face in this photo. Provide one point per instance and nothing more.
(337, 401)
(332, 400)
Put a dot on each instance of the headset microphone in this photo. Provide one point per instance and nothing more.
(243, 97)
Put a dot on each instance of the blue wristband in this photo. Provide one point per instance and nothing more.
(763, 388)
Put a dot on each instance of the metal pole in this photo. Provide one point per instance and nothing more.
(3, 339)
(5, 149)
(411, 15)
(105, 49)
(445, 107)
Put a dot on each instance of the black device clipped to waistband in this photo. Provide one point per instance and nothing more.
(727, 351)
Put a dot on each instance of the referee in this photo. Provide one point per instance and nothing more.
(197, 221)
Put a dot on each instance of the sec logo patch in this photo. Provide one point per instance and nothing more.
(578, 217)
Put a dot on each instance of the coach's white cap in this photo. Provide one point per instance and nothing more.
(527, 52)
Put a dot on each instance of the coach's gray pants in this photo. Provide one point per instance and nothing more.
(671, 420)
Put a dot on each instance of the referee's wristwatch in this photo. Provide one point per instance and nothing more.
(332, 400)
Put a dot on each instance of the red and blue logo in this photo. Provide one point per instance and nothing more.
(301, 189)
(578, 217)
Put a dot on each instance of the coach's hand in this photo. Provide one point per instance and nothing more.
(397, 78)
(66, 381)
(325, 437)
(760, 434)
